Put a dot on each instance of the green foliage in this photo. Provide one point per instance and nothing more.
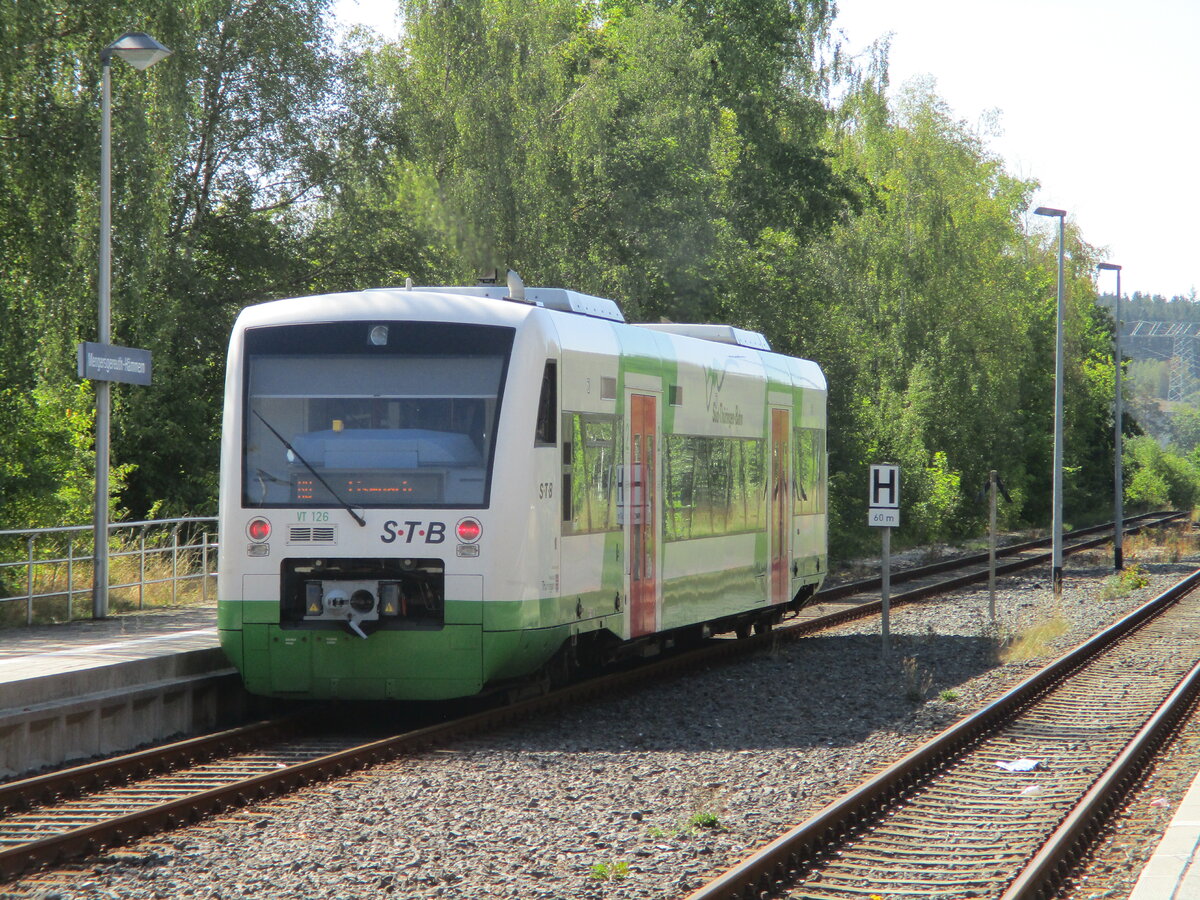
(613, 870)
(683, 158)
(46, 471)
(941, 499)
(215, 151)
(1157, 478)
(933, 313)
(1151, 377)
(1125, 582)
(1185, 428)
(704, 819)
(590, 145)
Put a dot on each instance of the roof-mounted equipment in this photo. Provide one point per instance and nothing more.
(723, 334)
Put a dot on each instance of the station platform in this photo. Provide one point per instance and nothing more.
(89, 688)
(1173, 872)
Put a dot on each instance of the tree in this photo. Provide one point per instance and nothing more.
(556, 150)
(216, 153)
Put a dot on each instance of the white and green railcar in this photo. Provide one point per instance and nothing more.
(430, 492)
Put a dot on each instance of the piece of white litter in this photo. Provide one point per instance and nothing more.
(1031, 790)
(1020, 765)
(1161, 802)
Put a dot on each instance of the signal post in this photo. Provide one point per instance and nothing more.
(884, 513)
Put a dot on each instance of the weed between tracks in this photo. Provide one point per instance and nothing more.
(1162, 544)
(704, 814)
(917, 680)
(1126, 581)
(1031, 642)
(613, 870)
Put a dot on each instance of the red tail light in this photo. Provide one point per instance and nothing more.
(258, 530)
(468, 530)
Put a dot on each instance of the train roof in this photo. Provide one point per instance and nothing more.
(485, 304)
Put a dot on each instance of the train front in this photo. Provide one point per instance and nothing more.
(357, 460)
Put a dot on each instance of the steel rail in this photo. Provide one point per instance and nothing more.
(789, 856)
(119, 830)
(872, 607)
(39, 790)
(1132, 525)
(57, 848)
(1043, 875)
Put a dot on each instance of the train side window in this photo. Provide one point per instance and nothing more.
(546, 433)
(808, 488)
(568, 443)
(713, 486)
(590, 457)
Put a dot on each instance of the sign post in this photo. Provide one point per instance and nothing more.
(104, 363)
(884, 512)
(993, 478)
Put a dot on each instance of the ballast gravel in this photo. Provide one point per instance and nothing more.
(645, 794)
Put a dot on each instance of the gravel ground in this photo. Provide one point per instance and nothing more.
(642, 795)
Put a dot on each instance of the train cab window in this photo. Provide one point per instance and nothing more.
(546, 434)
(404, 419)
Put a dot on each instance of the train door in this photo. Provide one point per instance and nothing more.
(641, 518)
(781, 506)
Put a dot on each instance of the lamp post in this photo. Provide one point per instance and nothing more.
(141, 51)
(1057, 521)
(1118, 483)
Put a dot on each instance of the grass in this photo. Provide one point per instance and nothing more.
(917, 680)
(1160, 544)
(1031, 642)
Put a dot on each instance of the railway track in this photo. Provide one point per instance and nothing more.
(63, 815)
(1000, 804)
(1011, 558)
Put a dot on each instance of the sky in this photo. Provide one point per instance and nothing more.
(1097, 100)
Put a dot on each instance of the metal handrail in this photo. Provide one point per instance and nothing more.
(203, 545)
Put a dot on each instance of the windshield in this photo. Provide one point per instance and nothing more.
(391, 414)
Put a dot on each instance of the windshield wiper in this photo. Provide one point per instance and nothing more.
(346, 506)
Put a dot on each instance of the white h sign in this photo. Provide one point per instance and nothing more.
(885, 496)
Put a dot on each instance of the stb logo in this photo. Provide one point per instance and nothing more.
(714, 379)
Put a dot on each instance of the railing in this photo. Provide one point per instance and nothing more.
(148, 562)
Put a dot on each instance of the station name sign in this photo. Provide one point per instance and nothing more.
(106, 362)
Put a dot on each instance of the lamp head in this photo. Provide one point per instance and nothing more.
(1108, 267)
(137, 48)
(1049, 211)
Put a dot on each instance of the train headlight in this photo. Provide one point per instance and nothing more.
(468, 530)
(258, 529)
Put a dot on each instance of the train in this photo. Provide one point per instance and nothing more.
(439, 492)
